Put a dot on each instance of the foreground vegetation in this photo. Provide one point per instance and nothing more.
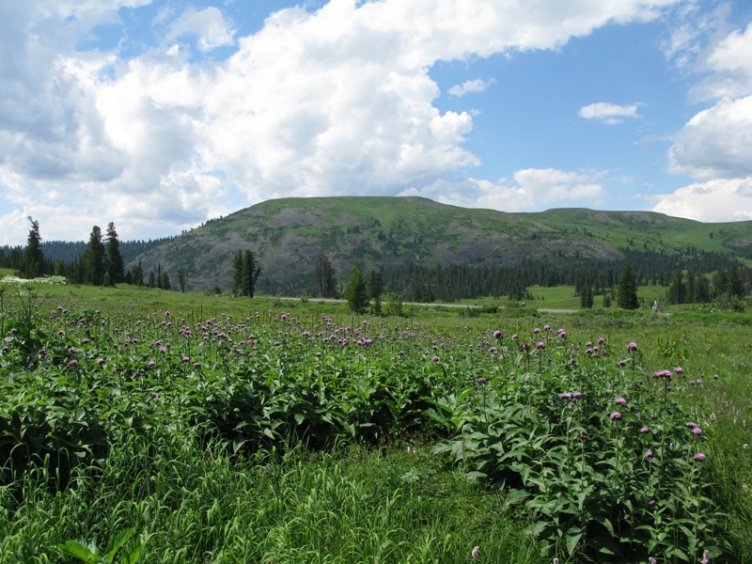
(166, 427)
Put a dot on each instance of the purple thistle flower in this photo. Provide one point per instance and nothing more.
(100, 361)
(436, 359)
(622, 363)
(632, 346)
(150, 364)
(678, 370)
(615, 415)
(699, 456)
(565, 396)
(601, 340)
(697, 431)
(649, 454)
(536, 330)
(482, 380)
(577, 395)
(546, 327)
(540, 345)
(497, 334)
(620, 401)
(475, 552)
(644, 430)
(72, 363)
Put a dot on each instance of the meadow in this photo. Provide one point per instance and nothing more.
(148, 426)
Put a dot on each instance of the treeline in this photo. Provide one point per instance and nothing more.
(99, 262)
(422, 283)
(68, 251)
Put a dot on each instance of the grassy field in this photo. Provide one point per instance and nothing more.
(219, 429)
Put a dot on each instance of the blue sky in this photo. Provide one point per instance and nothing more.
(160, 114)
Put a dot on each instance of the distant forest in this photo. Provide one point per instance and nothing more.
(449, 283)
(685, 272)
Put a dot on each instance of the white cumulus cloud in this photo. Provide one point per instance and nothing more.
(208, 26)
(608, 113)
(715, 200)
(333, 101)
(469, 86)
(529, 189)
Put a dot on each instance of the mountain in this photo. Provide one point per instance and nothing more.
(288, 234)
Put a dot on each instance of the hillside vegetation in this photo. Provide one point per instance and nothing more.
(288, 234)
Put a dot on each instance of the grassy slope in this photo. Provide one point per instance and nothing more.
(288, 234)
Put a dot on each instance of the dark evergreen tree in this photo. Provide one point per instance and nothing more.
(375, 283)
(734, 285)
(94, 258)
(152, 280)
(676, 291)
(250, 273)
(325, 277)
(164, 281)
(356, 293)
(115, 264)
(626, 296)
(137, 274)
(181, 279)
(586, 297)
(32, 265)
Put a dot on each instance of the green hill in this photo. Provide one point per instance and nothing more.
(288, 234)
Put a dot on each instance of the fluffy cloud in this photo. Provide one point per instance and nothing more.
(208, 25)
(336, 101)
(716, 142)
(469, 86)
(715, 145)
(530, 189)
(608, 113)
(714, 200)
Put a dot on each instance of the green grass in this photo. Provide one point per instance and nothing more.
(363, 502)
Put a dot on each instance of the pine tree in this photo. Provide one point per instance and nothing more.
(164, 281)
(94, 258)
(355, 291)
(586, 297)
(237, 273)
(115, 264)
(181, 279)
(626, 296)
(676, 291)
(32, 265)
(137, 274)
(325, 277)
(250, 273)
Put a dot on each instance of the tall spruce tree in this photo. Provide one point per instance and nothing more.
(181, 278)
(250, 273)
(245, 273)
(94, 258)
(237, 273)
(586, 297)
(32, 265)
(325, 277)
(115, 264)
(356, 293)
(626, 296)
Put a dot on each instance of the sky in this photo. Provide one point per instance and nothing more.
(160, 114)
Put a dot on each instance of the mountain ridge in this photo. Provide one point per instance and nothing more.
(288, 234)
